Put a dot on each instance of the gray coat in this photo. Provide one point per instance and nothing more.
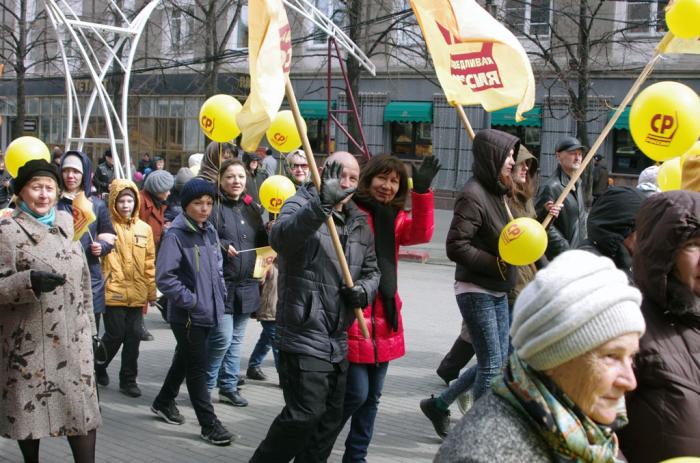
(493, 431)
(47, 386)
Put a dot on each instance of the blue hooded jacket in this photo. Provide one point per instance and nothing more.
(103, 224)
(189, 271)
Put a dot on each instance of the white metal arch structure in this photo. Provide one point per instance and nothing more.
(68, 26)
(306, 9)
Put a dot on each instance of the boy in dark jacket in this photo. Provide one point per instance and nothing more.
(189, 273)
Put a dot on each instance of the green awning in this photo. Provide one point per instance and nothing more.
(622, 122)
(315, 109)
(408, 111)
(506, 116)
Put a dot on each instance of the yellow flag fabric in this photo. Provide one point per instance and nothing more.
(83, 215)
(263, 260)
(270, 57)
(678, 45)
(477, 60)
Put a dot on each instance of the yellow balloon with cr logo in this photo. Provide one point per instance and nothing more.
(283, 134)
(217, 118)
(683, 18)
(274, 191)
(670, 175)
(522, 241)
(664, 120)
(22, 150)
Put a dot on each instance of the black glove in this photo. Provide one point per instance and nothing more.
(45, 282)
(331, 191)
(354, 297)
(424, 175)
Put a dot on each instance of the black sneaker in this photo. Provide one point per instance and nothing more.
(241, 381)
(233, 398)
(255, 373)
(169, 413)
(101, 376)
(216, 434)
(146, 335)
(132, 390)
(440, 419)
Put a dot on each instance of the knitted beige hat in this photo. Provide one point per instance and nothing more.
(577, 303)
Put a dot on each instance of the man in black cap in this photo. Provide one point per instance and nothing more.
(104, 174)
(569, 229)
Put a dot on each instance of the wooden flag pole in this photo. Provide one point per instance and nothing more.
(316, 178)
(611, 123)
(465, 120)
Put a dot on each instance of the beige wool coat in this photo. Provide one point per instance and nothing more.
(47, 385)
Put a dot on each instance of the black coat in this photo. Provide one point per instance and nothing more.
(568, 230)
(5, 191)
(239, 224)
(480, 216)
(311, 317)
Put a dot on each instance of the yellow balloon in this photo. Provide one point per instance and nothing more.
(282, 134)
(664, 120)
(217, 118)
(682, 460)
(670, 175)
(683, 18)
(274, 191)
(522, 241)
(24, 149)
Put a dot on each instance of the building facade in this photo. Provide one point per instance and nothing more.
(402, 109)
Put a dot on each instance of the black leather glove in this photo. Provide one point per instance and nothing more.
(331, 191)
(424, 175)
(354, 297)
(45, 282)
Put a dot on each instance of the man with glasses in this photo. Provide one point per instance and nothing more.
(568, 230)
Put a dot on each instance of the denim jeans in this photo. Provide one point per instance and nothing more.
(488, 320)
(362, 392)
(225, 344)
(264, 344)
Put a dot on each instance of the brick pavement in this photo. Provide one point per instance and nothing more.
(131, 433)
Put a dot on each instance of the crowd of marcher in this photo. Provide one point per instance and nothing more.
(591, 354)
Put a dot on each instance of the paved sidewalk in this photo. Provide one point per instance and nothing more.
(131, 433)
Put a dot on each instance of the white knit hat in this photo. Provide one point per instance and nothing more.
(577, 303)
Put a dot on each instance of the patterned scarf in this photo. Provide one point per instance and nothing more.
(572, 436)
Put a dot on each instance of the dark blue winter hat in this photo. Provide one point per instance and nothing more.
(194, 189)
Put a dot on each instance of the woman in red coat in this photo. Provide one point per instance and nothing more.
(382, 192)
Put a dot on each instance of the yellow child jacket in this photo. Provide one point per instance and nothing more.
(130, 269)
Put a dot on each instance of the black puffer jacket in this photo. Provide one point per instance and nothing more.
(611, 221)
(664, 410)
(239, 224)
(311, 317)
(568, 230)
(480, 215)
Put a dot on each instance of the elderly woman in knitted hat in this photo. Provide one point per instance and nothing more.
(46, 322)
(576, 329)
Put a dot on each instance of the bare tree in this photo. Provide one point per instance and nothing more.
(24, 39)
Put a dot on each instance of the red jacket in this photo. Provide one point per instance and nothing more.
(384, 344)
(152, 215)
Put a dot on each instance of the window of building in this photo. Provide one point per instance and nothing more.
(181, 26)
(242, 28)
(407, 31)
(529, 17)
(627, 158)
(646, 17)
(411, 140)
(335, 11)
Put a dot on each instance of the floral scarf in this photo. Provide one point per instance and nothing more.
(569, 433)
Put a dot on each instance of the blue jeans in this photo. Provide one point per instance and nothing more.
(225, 352)
(488, 321)
(264, 344)
(362, 392)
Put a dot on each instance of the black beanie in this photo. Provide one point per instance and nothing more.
(194, 189)
(34, 168)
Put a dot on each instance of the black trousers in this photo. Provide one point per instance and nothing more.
(123, 327)
(307, 427)
(457, 358)
(190, 365)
